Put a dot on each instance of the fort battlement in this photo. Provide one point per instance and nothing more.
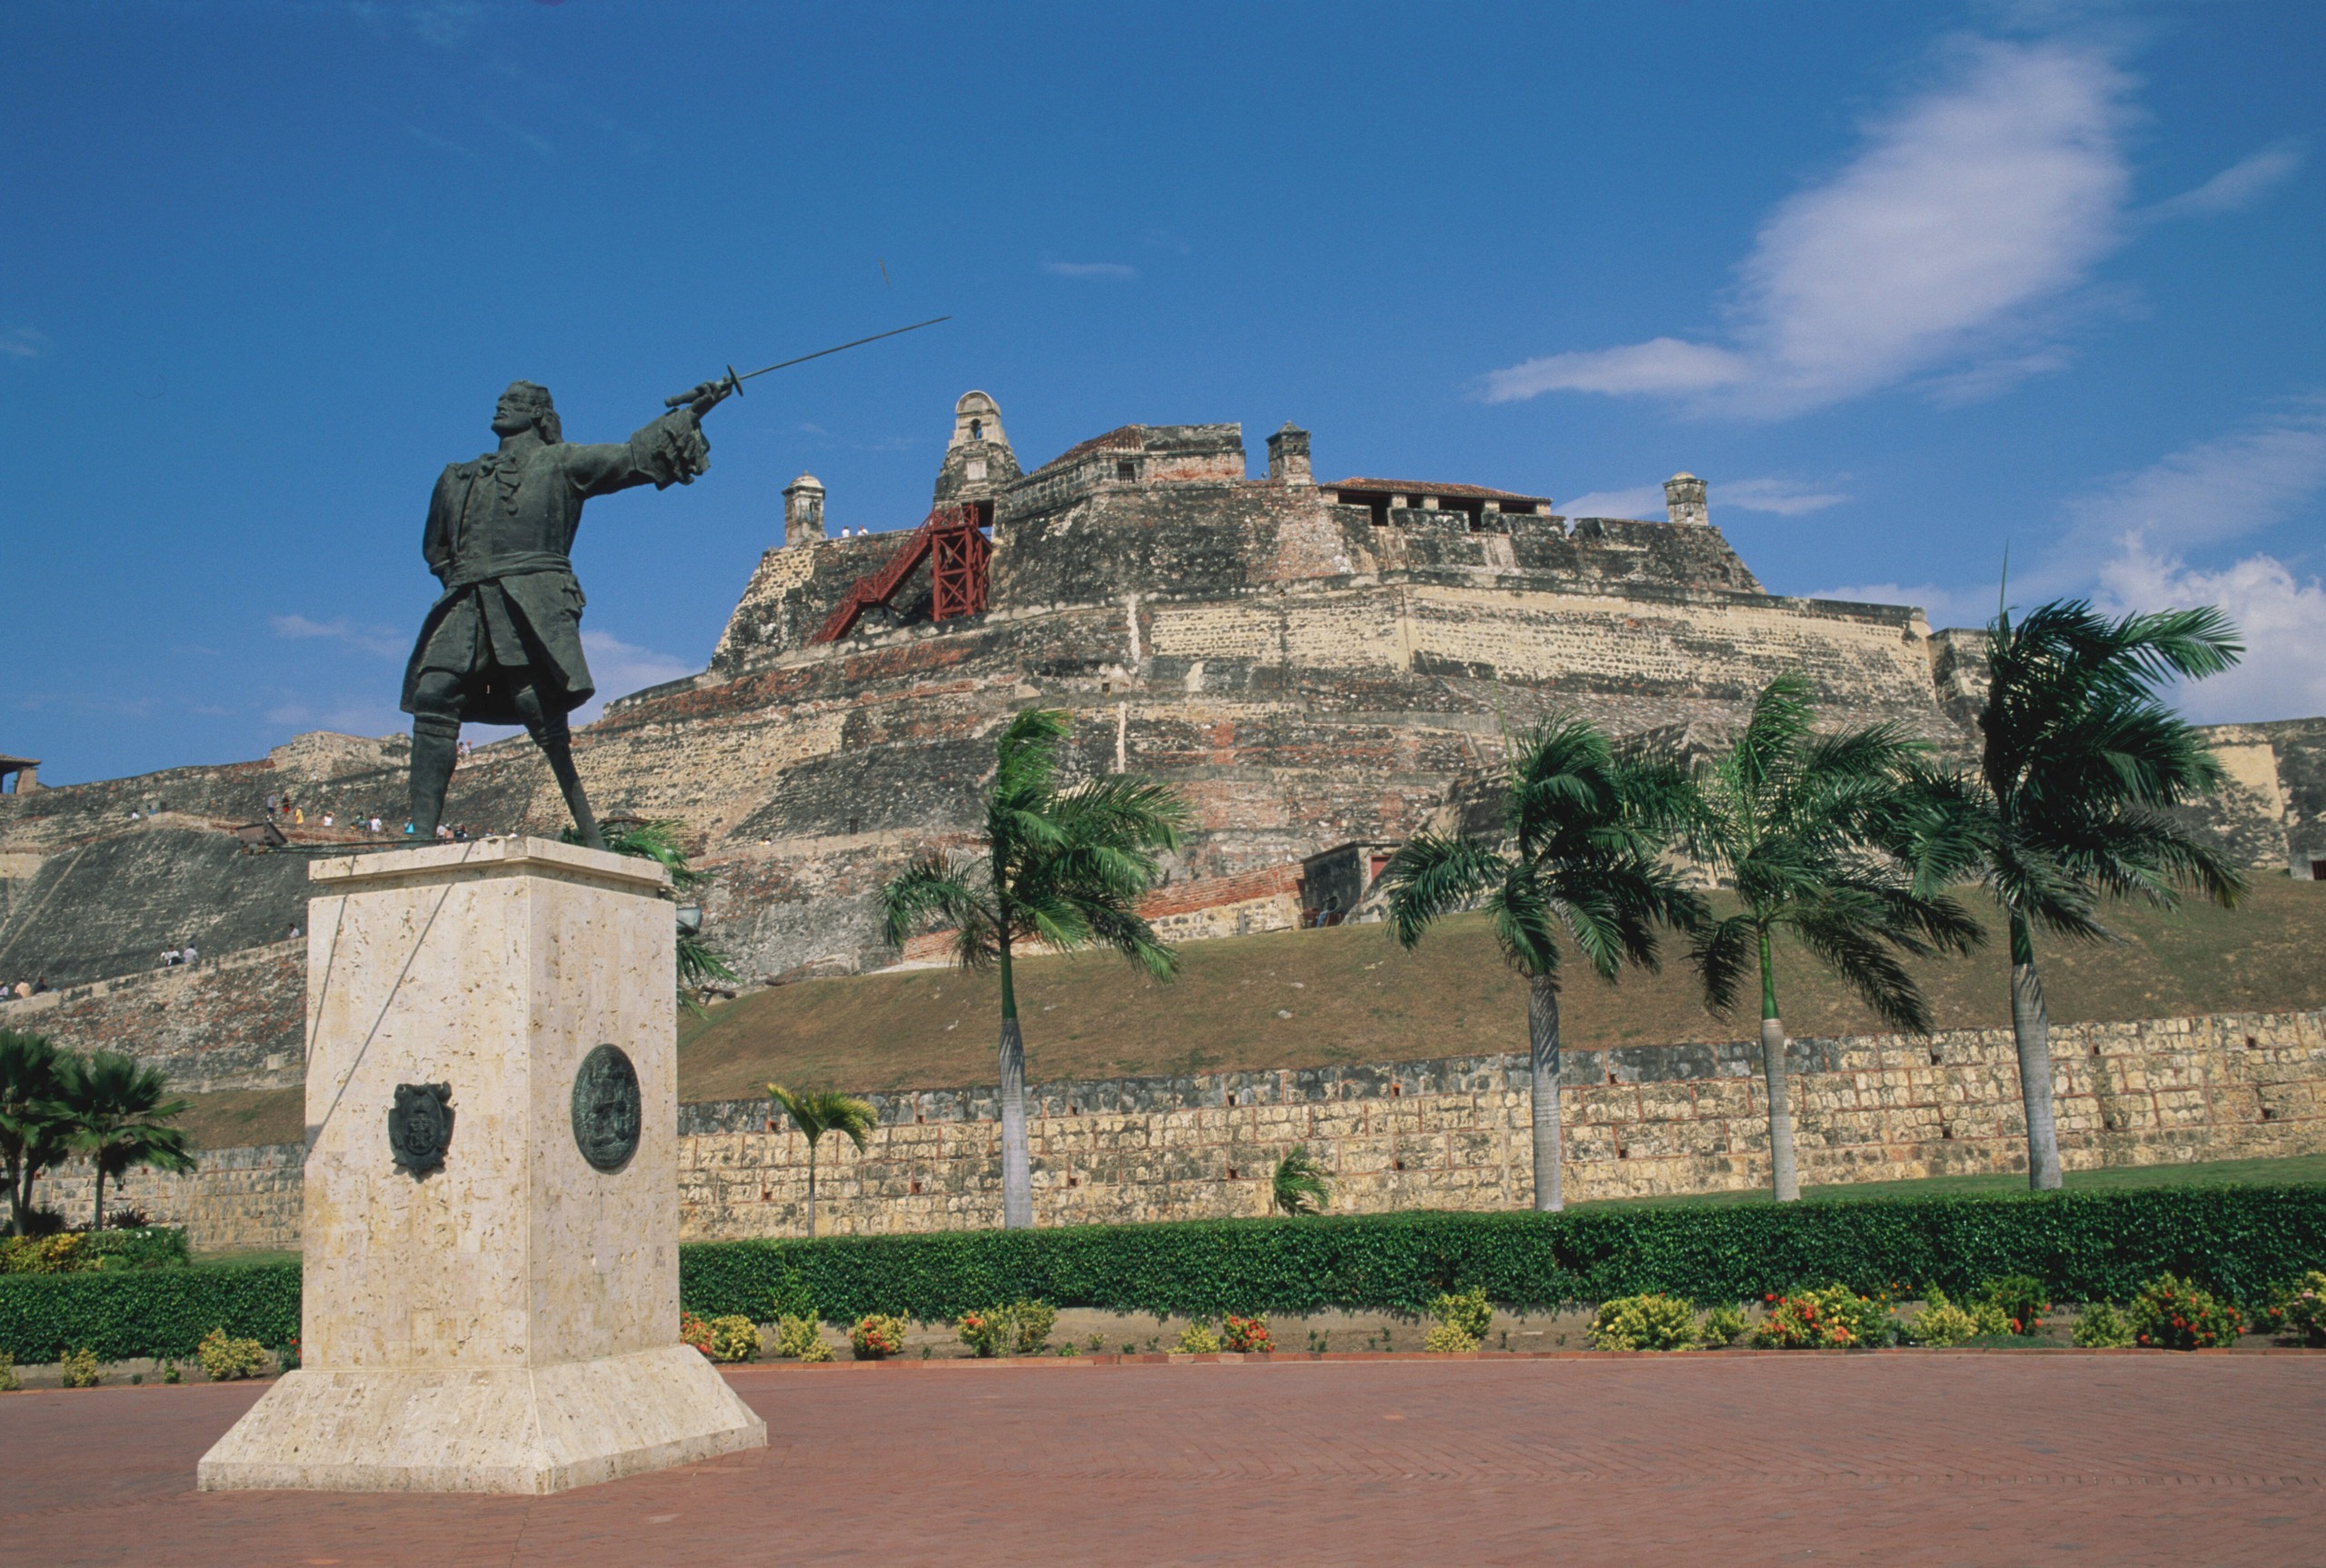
(1312, 663)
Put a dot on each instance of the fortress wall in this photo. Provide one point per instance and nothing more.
(1455, 1134)
(1447, 1133)
(234, 1200)
(234, 1022)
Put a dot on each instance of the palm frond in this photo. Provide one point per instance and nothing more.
(1434, 874)
(817, 1112)
(1301, 1187)
(1842, 941)
(930, 886)
(1771, 741)
(1725, 953)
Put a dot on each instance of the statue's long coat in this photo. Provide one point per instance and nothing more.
(497, 532)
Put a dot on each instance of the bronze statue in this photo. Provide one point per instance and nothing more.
(503, 643)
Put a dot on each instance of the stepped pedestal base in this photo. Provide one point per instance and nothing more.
(538, 1430)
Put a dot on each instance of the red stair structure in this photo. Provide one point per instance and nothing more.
(956, 552)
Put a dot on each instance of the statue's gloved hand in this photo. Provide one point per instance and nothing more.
(701, 399)
(673, 449)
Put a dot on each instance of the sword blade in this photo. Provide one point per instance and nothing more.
(836, 348)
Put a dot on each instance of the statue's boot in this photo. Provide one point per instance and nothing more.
(556, 742)
(436, 746)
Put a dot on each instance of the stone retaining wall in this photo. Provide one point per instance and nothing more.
(1446, 1134)
(238, 1199)
(237, 1022)
(1455, 1132)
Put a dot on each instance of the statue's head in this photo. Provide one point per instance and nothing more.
(526, 406)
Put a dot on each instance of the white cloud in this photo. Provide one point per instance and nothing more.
(2237, 187)
(379, 639)
(2141, 527)
(1117, 270)
(1968, 211)
(2277, 615)
(1665, 365)
(22, 343)
(1645, 500)
(1784, 497)
(622, 668)
(2204, 493)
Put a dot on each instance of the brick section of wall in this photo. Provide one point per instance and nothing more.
(1454, 1134)
(235, 1200)
(233, 1023)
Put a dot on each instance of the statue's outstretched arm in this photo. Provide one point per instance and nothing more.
(662, 452)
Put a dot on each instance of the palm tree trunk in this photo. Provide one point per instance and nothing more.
(1017, 1176)
(2031, 1031)
(1785, 1180)
(812, 1189)
(98, 1223)
(1543, 1042)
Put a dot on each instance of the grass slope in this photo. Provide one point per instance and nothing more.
(1351, 995)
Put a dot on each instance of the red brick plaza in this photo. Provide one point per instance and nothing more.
(1729, 1459)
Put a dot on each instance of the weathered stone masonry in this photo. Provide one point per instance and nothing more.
(1448, 1134)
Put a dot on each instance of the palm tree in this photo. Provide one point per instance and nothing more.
(818, 1114)
(1301, 1185)
(116, 1113)
(1815, 833)
(32, 1133)
(1582, 833)
(1062, 866)
(2080, 765)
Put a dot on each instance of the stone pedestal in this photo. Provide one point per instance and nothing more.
(506, 1320)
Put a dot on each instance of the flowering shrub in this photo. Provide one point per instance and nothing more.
(1448, 1337)
(1835, 1317)
(733, 1338)
(693, 1331)
(1248, 1334)
(1470, 1311)
(223, 1359)
(1942, 1323)
(2300, 1310)
(58, 1253)
(80, 1369)
(987, 1333)
(1723, 1326)
(1650, 1322)
(2101, 1327)
(797, 1339)
(2020, 1299)
(1198, 1339)
(1031, 1323)
(2170, 1315)
(876, 1338)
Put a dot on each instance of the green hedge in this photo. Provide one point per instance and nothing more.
(2083, 1245)
(153, 1312)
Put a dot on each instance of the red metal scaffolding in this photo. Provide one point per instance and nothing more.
(956, 555)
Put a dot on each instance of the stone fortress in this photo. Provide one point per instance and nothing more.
(1321, 666)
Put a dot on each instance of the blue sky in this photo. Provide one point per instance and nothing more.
(1905, 283)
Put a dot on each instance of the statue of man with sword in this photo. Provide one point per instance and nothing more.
(502, 644)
